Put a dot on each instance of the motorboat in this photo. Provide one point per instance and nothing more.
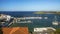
(55, 22)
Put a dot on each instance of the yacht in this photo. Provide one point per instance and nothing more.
(55, 22)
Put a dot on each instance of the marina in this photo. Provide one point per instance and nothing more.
(44, 21)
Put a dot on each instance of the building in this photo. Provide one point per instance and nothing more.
(5, 20)
(5, 17)
(44, 30)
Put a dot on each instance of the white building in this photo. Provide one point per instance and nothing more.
(44, 30)
(5, 17)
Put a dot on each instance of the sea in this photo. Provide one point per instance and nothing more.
(35, 22)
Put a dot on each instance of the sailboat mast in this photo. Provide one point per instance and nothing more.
(55, 18)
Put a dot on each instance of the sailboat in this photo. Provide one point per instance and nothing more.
(55, 22)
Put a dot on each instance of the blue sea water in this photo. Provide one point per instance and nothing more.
(36, 22)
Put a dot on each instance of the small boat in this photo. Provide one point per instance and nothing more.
(55, 22)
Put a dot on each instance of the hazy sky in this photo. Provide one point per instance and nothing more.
(29, 5)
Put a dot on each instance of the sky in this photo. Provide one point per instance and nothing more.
(29, 5)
